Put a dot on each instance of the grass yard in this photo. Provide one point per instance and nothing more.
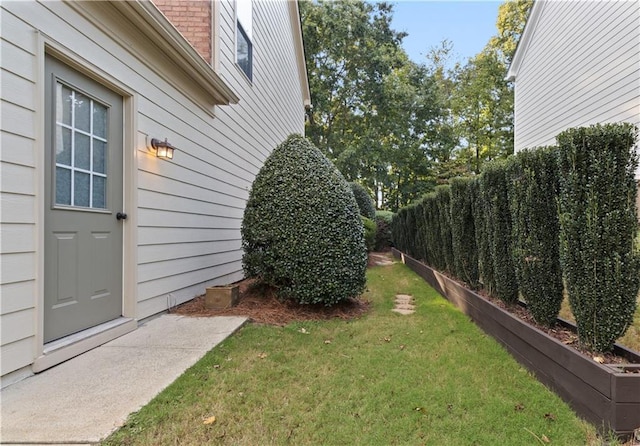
(429, 378)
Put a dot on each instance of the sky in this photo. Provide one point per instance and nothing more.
(468, 24)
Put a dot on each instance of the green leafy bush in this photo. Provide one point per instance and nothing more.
(493, 186)
(369, 233)
(463, 231)
(365, 203)
(533, 194)
(598, 224)
(384, 238)
(301, 230)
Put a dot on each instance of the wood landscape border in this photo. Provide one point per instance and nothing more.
(606, 395)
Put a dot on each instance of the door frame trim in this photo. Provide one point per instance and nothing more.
(42, 360)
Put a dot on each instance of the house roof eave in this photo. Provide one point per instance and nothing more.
(296, 26)
(150, 20)
(525, 40)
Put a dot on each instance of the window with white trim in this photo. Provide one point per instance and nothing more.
(244, 47)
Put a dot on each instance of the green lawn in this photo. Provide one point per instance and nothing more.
(429, 378)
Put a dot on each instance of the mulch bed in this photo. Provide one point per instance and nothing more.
(261, 305)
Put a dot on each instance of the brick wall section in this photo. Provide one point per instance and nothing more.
(193, 19)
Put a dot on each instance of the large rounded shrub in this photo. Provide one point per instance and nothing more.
(301, 230)
(365, 203)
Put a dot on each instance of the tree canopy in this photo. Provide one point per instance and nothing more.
(397, 127)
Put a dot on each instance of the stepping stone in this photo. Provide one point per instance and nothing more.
(404, 304)
(404, 312)
(404, 298)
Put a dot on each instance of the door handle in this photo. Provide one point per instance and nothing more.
(121, 216)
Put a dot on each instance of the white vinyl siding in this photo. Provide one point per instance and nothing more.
(581, 67)
(189, 209)
(18, 183)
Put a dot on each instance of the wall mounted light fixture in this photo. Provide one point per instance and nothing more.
(162, 148)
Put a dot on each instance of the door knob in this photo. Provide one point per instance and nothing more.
(121, 216)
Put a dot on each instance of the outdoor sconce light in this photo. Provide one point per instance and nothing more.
(162, 148)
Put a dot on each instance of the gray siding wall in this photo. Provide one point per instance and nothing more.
(189, 209)
(581, 67)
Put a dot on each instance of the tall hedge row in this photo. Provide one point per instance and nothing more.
(485, 261)
(443, 206)
(533, 195)
(567, 212)
(463, 231)
(493, 187)
(598, 225)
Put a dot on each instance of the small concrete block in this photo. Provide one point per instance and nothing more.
(221, 297)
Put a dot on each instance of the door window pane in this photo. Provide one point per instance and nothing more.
(82, 151)
(63, 145)
(64, 99)
(99, 150)
(99, 120)
(63, 186)
(99, 192)
(82, 110)
(81, 189)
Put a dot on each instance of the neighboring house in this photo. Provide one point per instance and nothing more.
(577, 64)
(86, 86)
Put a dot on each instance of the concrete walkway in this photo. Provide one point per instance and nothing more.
(86, 398)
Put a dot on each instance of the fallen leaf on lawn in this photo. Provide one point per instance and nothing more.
(262, 355)
(420, 409)
(550, 416)
(210, 420)
(545, 439)
(303, 331)
(402, 347)
(217, 366)
(386, 339)
(598, 359)
(327, 341)
(519, 407)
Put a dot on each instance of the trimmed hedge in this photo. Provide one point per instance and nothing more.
(443, 205)
(533, 194)
(463, 231)
(598, 225)
(493, 186)
(434, 254)
(384, 237)
(301, 230)
(364, 200)
(522, 243)
(485, 260)
(369, 233)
